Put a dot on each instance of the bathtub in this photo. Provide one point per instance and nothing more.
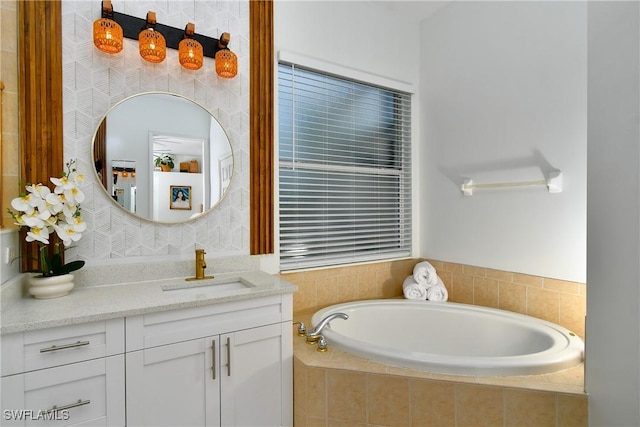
(451, 338)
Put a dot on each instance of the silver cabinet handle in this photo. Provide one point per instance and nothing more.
(213, 358)
(80, 402)
(64, 346)
(228, 356)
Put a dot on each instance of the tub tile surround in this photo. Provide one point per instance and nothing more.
(336, 388)
(558, 301)
(378, 394)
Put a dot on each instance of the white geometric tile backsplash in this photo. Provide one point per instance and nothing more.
(93, 82)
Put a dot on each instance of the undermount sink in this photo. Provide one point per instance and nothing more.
(207, 285)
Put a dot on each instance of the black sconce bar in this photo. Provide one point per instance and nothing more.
(131, 27)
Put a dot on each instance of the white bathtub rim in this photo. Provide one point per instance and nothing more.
(565, 353)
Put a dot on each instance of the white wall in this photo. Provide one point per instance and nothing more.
(613, 256)
(366, 36)
(503, 98)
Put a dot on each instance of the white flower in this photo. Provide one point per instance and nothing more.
(74, 195)
(44, 211)
(24, 203)
(35, 219)
(40, 190)
(76, 178)
(55, 202)
(62, 183)
(38, 234)
(78, 224)
(67, 234)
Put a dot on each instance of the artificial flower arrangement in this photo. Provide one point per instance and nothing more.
(45, 212)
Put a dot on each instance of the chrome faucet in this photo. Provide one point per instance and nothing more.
(315, 334)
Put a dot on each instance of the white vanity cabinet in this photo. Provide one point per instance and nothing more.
(69, 375)
(226, 364)
(193, 357)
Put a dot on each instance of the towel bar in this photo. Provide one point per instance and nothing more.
(553, 184)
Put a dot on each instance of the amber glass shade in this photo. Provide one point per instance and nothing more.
(190, 54)
(107, 35)
(153, 47)
(226, 64)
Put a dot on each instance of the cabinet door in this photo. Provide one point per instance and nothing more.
(256, 377)
(174, 385)
(80, 394)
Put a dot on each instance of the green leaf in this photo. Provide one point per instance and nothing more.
(56, 264)
(72, 266)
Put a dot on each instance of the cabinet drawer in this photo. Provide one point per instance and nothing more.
(86, 393)
(155, 329)
(32, 350)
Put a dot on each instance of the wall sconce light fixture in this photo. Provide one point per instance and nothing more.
(226, 61)
(107, 33)
(190, 50)
(152, 45)
(154, 38)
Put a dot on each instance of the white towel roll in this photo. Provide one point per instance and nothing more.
(438, 292)
(425, 274)
(413, 290)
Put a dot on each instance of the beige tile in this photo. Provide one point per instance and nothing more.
(485, 292)
(363, 365)
(11, 160)
(582, 289)
(512, 297)
(9, 73)
(572, 411)
(462, 288)
(387, 400)
(478, 406)
(299, 383)
(341, 423)
(560, 285)
(315, 422)
(573, 309)
(453, 267)
(316, 392)
(505, 276)
(327, 292)
(346, 395)
(571, 376)
(404, 267)
(367, 286)
(305, 297)
(299, 417)
(432, 403)
(525, 408)
(348, 288)
(9, 30)
(528, 280)
(474, 271)
(543, 304)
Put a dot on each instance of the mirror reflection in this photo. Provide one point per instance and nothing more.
(162, 157)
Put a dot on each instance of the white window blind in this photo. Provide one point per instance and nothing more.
(344, 170)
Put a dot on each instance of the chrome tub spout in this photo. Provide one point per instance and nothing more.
(314, 334)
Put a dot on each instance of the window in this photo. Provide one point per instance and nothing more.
(344, 170)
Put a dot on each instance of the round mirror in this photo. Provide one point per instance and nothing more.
(162, 157)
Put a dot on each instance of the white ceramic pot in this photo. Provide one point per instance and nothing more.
(50, 287)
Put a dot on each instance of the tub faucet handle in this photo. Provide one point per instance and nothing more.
(322, 344)
(302, 329)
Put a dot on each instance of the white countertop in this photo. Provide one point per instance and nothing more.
(94, 303)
